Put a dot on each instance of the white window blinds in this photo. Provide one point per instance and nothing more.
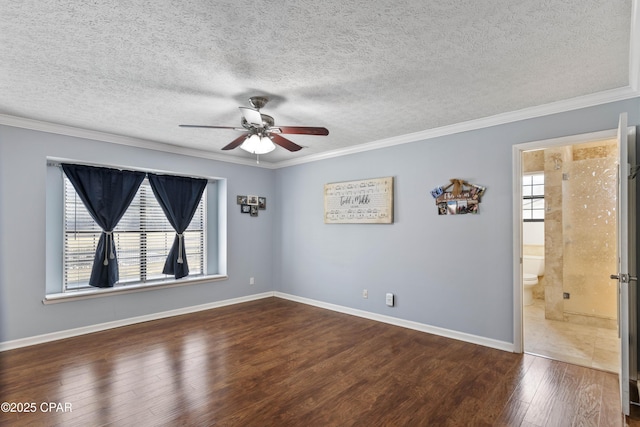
(143, 238)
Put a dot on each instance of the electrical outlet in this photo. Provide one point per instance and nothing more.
(252, 280)
(390, 300)
(365, 293)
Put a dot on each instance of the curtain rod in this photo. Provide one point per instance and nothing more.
(58, 164)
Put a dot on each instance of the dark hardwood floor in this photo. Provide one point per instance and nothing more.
(274, 362)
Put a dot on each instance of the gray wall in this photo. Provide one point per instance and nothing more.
(23, 181)
(450, 272)
(453, 272)
(636, 268)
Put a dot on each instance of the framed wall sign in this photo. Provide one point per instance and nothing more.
(367, 201)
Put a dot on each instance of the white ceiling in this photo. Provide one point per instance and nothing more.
(366, 70)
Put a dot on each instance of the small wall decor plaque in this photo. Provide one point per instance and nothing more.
(367, 201)
(458, 197)
(251, 204)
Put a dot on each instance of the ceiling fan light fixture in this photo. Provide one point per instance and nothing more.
(264, 146)
(256, 144)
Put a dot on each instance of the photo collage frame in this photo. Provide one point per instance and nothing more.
(458, 197)
(251, 204)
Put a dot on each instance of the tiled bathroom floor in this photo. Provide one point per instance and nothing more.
(569, 342)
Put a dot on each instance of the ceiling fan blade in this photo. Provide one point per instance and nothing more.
(285, 143)
(253, 117)
(303, 130)
(213, 127)
(236, 142)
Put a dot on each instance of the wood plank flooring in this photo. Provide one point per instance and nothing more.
(274, 362)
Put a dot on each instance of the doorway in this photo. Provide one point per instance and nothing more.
(572, 315)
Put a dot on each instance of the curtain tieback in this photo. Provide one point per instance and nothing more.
(180, 248)
(108, 247)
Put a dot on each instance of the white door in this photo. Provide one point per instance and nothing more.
(623, 261)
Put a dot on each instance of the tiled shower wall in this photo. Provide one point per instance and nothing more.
(589, 228)
(580, 231)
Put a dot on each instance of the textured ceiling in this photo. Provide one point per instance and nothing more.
(366, 70)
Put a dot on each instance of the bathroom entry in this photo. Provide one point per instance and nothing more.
(574, 341)
(569, 244)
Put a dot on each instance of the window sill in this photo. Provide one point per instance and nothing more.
(103, 292)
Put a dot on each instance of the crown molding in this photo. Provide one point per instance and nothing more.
(59, 129)
(613, 95)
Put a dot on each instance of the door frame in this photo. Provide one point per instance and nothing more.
(517, 150)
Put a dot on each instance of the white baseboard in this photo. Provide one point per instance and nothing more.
(39, 339)
(447, 333)
(461, 336)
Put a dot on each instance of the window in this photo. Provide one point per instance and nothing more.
(533, 197)
(143, 239)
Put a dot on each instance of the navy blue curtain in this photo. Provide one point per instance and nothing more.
(106, 193)
(179, 197)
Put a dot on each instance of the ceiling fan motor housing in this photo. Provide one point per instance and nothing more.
(258, 101)
(267, 122)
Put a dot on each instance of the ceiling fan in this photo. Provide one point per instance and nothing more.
(260, 134)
